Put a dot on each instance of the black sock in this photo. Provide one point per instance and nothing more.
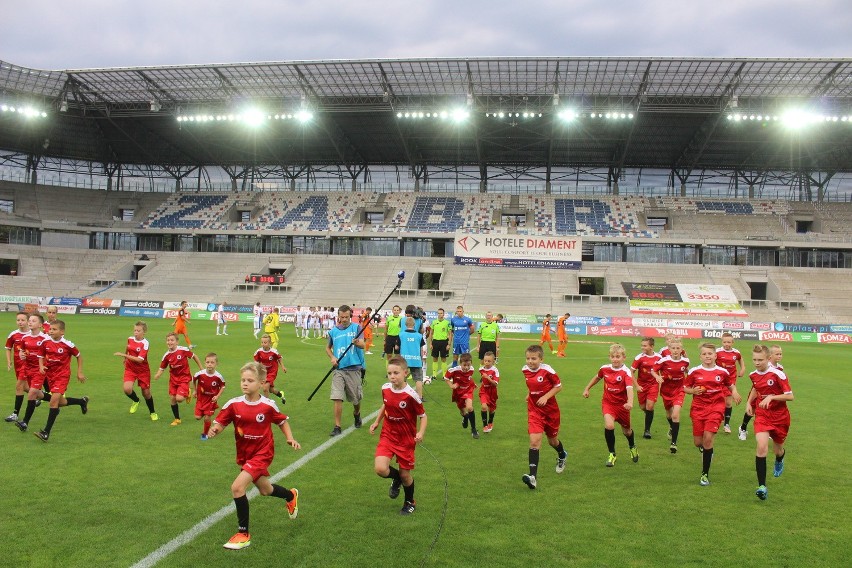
(560, 450)
(282, 493)
(649, 418)
(133, 396)
(484, 414)
(74, 401)
(150, 403)
(760, 467)
(675, 431)
(630, 440)
(51, 418)
(176, 411)
(242, 504)
(29, 412)
(19, 400)
(746, 420)
(464, 421)
(728, 411)
(491, 417)
(409, 492)
(533, 462)
(472, 421)
(393, 474)
(707, 458)
(671, 423)
(779, 460)
(609, 436)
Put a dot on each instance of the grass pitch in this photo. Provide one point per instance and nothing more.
(110, 488)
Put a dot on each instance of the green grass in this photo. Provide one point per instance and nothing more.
(110, 487)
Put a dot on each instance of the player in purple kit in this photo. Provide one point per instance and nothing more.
(543, 416)
(401, 407)
(771, 390)
(617, 401)
(253, 416)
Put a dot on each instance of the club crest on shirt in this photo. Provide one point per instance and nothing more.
(770, 382)
(60, 350)
(618, 379)
(402, 404)
(540, 379)
(260, 417)
(718, 379)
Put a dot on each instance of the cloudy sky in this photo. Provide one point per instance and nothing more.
(45, 34)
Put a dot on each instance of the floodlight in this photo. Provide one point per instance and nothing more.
(304, 116)
(252, 117)
(459, 115)
(155, 106)
(63, 106)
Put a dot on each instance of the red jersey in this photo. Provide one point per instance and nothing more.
(45, 327)
(492, 374)
(728, 360)
(671, 370)
(715, 380)
(178, 363)
(464, 379)
(208, 385)
(137, 348)
(14, 343)
(616, 382)
(31, 345)
(666, 352)
(268, 359)
(402, 408)
(767, 383)
(252, 425)
(644, 363)
(57, 359)
(540, 382)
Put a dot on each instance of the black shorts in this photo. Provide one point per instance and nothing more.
(440, 348)
(391, 344)
(485, 347)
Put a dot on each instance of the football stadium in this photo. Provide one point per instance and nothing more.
(548, 207)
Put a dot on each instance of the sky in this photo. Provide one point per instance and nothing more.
(85, 34)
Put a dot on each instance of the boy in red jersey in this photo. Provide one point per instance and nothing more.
(253, 416)
(670, 371)
(55, 367)
(646, 385)
(771, 416)
(268, 356)
(561, 334)
(177, 360)
(15, 357)
(543, 417)
(460, 379)
(401, 407)
(490, 376)
(31, 351)
(731, 360)
(775, 356)
(181, 320)
(666, 351)
(208, 385)
(617, 401)
(545, 334)
(136, 369)
(708, 384)
(51, 313)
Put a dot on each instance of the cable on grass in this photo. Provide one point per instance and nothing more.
(431, 548)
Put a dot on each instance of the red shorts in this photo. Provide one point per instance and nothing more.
(34, 378)
(620, 414)
(488, 397)
(257, 466)
(545, 419)
(459, 396)
(59, 384)
(178, 388)
(404, 454)
(706, 419)
(205, 406)
(19, 370)
(270, 380)
(672, 394)
(144, 379)
(650, 391)
(776, 423)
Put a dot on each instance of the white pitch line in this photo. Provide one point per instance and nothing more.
(191, 534)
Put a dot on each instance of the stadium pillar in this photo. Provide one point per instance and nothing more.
(751, 191)
(682, 189)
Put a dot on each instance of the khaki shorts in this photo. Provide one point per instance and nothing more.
(346, 385)
(416, 374)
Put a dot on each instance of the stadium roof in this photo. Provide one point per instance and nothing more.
(680, 109)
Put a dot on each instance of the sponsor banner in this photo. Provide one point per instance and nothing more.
(693, 324)
(806, 337)
(802, 327)
(150, 313)
(190, 305)
(66, 302)
(84, 310)
(576, 330)
(737, 334)
(614, 330)
(141, 304)
(59, 309)
(834, 338)
(696, 299)
(651, 291)
(643, 322)
(518, 251)
(515, 318)
(101, 303)
(840, 328)
(229, 316)
(663, 331)
(775, 336)
(236, 308)
(687, 308)
(20, 299)
(515, 328)
(590, 320)
(759, 325)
